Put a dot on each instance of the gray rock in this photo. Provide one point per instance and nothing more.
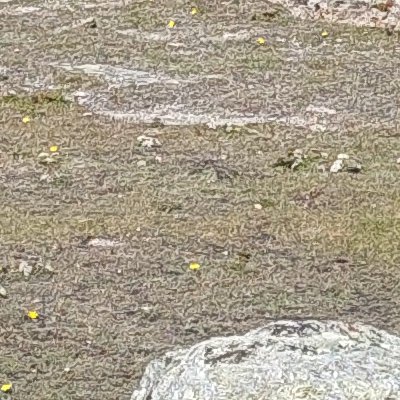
(284, 360)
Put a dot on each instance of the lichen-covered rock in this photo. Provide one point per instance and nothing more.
(370, 13)
(284, 360)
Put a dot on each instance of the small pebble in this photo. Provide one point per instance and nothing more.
(298, 153)
(3, 291)
(258, 206)
(25, 268)
(141, 163)
(343, 156)
(147, 141)
(49, 268)
(45, 177)
(337, 166)
(353, 167)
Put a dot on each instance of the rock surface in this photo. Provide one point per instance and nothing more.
(284, 360)
(177, 85)
(370, 13)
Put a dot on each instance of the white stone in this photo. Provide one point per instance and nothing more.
(337, 166)
(3, 291)
(25, 268)
(309, 359)
(102, 242)
(45, 177)
(48, 267)
(298, 153)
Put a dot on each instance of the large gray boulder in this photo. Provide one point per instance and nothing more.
(284, 360)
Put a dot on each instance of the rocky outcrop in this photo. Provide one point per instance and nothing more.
(368, 13)
(284, 360)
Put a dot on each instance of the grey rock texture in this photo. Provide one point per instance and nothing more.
(284, 360)
(370, 13)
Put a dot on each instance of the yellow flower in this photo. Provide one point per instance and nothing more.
(261, 40)
(324, 34)
(26, 119)
(6, 387)
(171, 24)
(194, 11)
(194, 266)
(53, 149)
(33, 314)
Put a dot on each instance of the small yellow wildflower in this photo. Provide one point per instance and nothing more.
(26, 119)
(53, 149)
(6, 387)
(171, 24)
(324, 34)
(194, 11)
(33, 314)
(261, 40)
(194, 266)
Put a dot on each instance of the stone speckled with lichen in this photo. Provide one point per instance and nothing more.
(284, 360)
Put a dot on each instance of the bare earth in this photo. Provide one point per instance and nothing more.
(110, 226)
